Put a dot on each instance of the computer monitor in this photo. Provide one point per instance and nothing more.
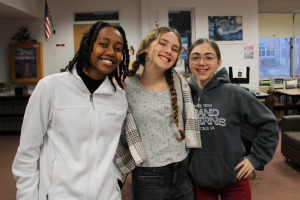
(239, 75)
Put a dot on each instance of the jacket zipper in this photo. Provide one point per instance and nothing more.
(92, 151)
(91, 99)
(199, 96)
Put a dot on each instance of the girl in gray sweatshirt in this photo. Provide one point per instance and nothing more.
(221, 167)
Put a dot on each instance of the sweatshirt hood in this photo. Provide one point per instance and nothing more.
(220, 77)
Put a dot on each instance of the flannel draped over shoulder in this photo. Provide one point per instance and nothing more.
(130, 149)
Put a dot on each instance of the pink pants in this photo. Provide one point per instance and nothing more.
(239, 191)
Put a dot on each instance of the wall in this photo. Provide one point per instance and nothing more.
(61, 12)
(278, 6)
(28, 8)
(137, 18)
(232, 55)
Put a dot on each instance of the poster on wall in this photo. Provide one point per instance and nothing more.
(226, 29)
(239, 72)
(25, 63)
(248, 52)
(185, 47)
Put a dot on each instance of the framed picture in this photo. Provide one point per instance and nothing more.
(226, 29)
(185, 47)
(26, 62)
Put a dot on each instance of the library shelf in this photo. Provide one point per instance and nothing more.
(12, 109)
(282, 104)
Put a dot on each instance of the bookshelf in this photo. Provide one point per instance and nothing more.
(12, 109)
(277, 83)
(282, 104)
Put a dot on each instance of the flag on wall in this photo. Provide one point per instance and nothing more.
(47, 22)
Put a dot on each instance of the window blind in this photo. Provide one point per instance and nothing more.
(275, 25)
(297, 24)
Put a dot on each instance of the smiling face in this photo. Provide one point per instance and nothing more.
(107, 53)
(164, 51)
(201, 70)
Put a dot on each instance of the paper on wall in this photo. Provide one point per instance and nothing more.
(239, 72)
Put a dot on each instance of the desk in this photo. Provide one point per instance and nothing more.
(291, 92)
(294, 93)
(261, 95)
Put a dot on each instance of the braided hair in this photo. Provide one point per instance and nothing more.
(170, 80)
(83, 55)
(140, 60)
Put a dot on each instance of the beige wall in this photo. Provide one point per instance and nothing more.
(137, 17)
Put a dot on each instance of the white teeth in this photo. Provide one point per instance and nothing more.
(107, 62)
(204, 70)
(165, 59)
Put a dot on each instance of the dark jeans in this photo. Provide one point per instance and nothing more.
(158, 183)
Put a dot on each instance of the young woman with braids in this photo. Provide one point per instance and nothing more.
(73, 122)
(165, 119)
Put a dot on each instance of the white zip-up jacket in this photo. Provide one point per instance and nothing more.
(75, 136)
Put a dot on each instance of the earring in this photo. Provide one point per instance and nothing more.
(147, 58)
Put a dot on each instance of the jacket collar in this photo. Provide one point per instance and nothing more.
(105, 87)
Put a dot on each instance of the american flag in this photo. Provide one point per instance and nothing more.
(47, 22)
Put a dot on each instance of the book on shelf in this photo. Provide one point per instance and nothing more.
(11, 124)
(292, 83)
(289, 100)
(279, 100)
(289, 112)
(276, 114)
(279, 80)
(277, 83)
(264, 82)
(292, 112)
(279, 114)
(5, 91)
(13, 107)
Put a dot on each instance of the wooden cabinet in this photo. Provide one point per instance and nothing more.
(12, 109)
(26, 62)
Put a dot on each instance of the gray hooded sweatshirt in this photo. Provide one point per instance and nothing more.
(222, 108)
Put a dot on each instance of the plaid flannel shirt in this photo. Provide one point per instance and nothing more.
(130, 150)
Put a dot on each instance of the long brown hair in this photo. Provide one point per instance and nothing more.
(141, 60)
